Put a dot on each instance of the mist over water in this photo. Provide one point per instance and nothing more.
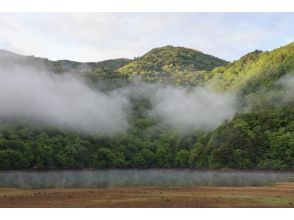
(149, 177)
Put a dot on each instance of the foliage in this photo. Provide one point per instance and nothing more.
(163, 62)
(254, 71)
(262, 137)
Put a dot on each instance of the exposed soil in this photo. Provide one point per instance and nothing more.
(279, 195)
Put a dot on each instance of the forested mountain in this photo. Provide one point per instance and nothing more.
(167, 64)
(168, 60)
(260, 135)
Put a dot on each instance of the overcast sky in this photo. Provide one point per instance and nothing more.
(100, 36)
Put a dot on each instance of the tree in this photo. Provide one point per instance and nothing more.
(182, 158)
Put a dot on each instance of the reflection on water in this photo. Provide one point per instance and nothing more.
(149, 177)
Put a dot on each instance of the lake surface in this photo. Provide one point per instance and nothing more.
(134, 177)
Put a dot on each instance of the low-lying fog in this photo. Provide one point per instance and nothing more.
(149, 177)
(67, 101)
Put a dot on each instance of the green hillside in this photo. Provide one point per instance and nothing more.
(167, 61)
(108, 68)
(8, 58)
(254, 71)
(260, 136)
(260, 139)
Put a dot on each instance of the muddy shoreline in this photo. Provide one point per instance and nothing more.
(278, 195)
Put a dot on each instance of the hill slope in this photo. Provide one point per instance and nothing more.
(8, 58)
(254, 71)
(166, 61)
(259, 138)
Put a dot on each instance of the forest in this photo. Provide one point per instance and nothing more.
(259, 134)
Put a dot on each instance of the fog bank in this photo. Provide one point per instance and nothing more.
(149, 177)
(60, 100)
(287, 83)
(67, 101)
(189, 109)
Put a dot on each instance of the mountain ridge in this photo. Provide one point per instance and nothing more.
(169, 56)
(179, 65)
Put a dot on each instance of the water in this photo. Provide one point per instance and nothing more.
(134, 177)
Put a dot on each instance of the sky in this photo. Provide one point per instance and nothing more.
(99, 36)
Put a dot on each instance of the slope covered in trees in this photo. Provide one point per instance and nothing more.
(259, 139)
(255, 71)
(164, 62)
(61, 66)
(259, 136)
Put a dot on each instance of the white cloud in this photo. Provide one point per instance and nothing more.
(186, 110)
(99, 36)
(61, 100)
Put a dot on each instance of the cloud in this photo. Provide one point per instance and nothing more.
(287, 83)
(60, 100)
(67, 101)
(99, 36)
(183, 109)
(187, 110)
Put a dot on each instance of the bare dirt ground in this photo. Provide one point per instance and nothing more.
(279, 195)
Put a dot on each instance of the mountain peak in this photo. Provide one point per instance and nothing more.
(172, 49)
(169, 59)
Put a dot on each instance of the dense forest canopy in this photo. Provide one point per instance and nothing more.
(183, 109)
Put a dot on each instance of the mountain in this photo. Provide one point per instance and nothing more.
(254, 71)
(168, 60)
(7, 59)
(168, 63)
(260, 136)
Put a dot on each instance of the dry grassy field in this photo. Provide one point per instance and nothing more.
(278, 195)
